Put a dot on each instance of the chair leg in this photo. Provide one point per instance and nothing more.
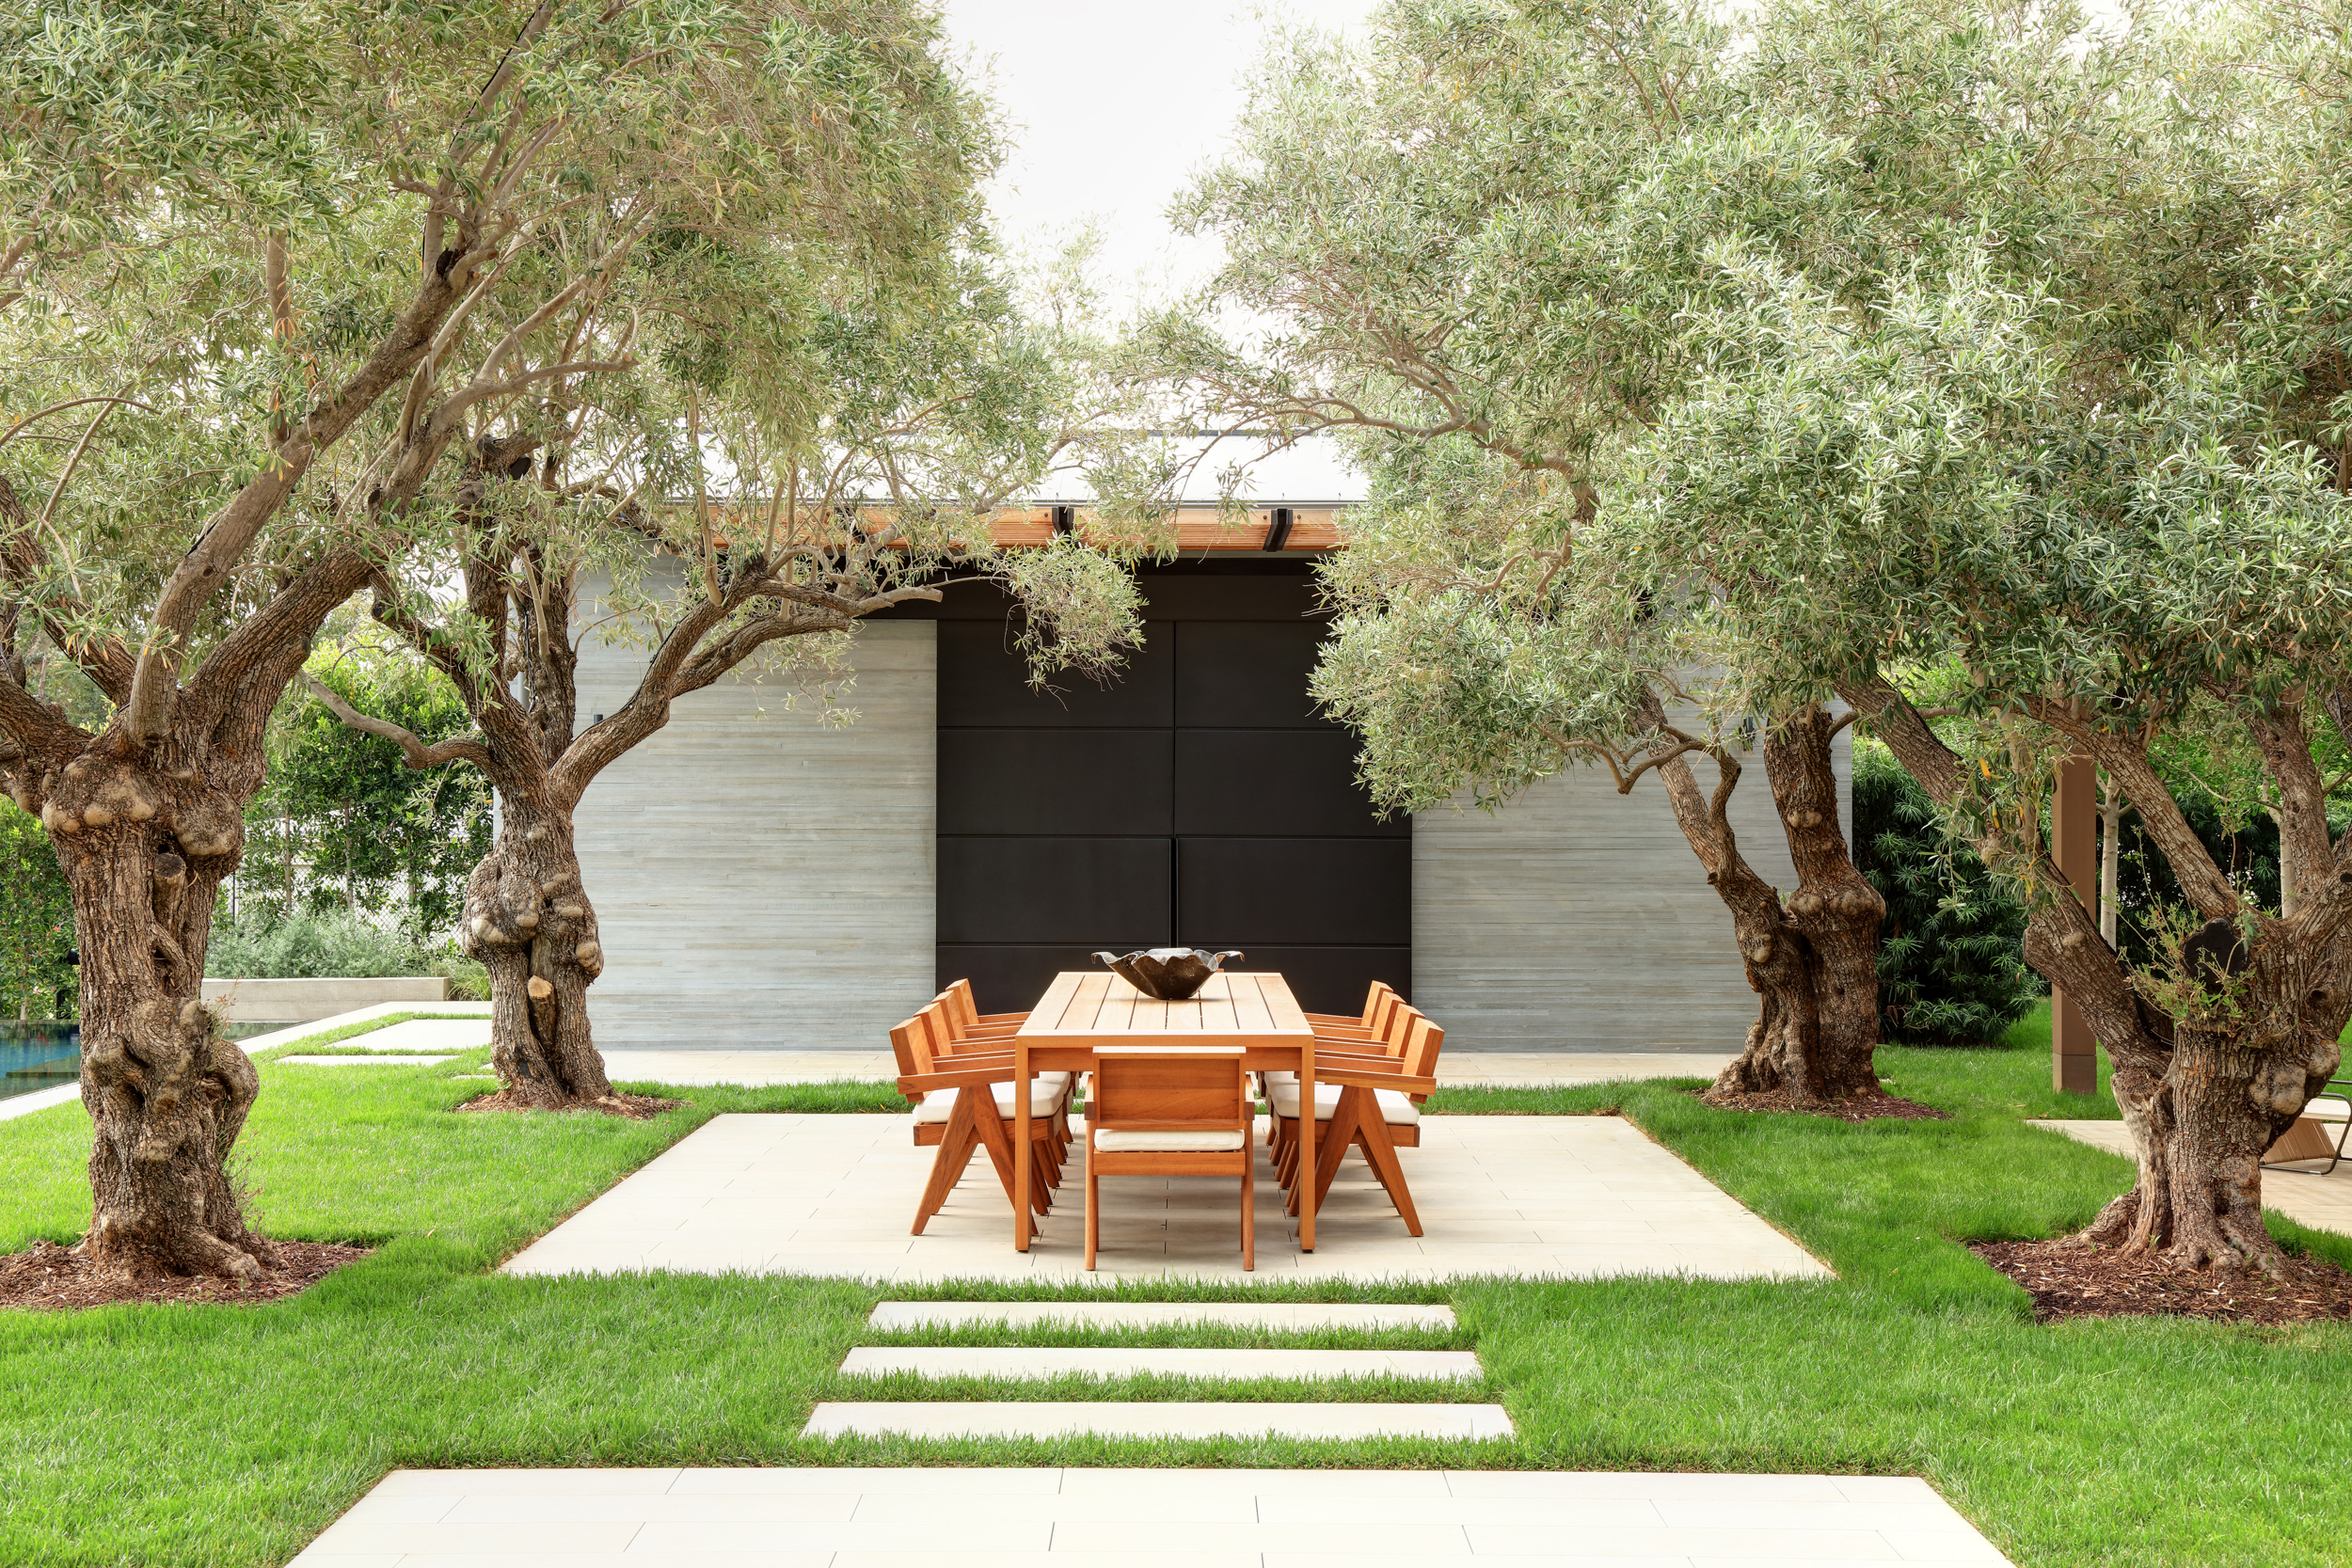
(1094, 1205)
(997, 1139)
(1333, 1138)
(1041, 1188)
(1248, 1214)
(1382, 1154)
(955, 1153)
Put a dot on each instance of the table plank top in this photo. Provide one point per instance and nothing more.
(1234, 1007)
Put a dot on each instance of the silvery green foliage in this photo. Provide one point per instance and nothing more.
(657, 172)
(1477, 645)
(1883, 334)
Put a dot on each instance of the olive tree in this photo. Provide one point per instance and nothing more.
(2110, 488)
(866, 425)
(266, 267)
(1468, 245)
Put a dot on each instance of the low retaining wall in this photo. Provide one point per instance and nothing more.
(304, 1001)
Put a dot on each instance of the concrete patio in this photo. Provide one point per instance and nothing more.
(1521, 1197)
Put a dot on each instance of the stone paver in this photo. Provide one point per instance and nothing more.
(748, 1068)
(954, 1419)
(296, 1033)
(1521, 1196)
(2322, 1202)
(1523, 1068)
(372, 1059)
(903, 1317)
(1082, 1518)
(1035, 1362)
(40, 1100)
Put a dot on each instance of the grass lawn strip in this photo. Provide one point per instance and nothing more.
(232, 1434)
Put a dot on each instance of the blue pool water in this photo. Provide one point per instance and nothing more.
(38, 1056)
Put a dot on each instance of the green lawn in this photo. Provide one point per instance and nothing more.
(221, 1434)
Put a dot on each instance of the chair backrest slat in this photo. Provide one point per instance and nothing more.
(1169, 1091)
(1421, 1050)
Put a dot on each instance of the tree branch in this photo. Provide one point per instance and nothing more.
(413, 752)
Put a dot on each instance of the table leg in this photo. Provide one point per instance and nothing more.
(1307, 1149)
(1020, 1147)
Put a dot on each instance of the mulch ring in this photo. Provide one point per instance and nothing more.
(1862, 1105)
(636, 1107)
(2070, 1280)
(47, 1275)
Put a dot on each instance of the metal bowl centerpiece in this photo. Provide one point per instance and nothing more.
(1168, 973)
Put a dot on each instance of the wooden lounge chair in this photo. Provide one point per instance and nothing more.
(1371, 1103)
(1157, 1112)
(963, 1104)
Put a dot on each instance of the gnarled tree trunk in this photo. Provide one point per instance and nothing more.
(1813, 961)
(2203, 1099)
(144, 850)
(527, 919)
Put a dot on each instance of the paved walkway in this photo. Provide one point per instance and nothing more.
(1108, 1519)
(2322, 1202)
(1528, 1197)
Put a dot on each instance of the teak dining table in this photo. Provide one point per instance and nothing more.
(1080, 1012)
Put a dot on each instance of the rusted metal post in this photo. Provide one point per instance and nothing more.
(2074, 817)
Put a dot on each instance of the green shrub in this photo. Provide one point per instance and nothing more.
(304, 946)
(36, 977)
(1951, 949)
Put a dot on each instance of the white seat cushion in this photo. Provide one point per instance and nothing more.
(1045, 1097)
(1114, 1140)
(1396, 1109)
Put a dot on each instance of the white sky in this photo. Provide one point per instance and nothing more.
(1114, 108)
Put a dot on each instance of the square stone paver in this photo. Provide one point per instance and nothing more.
(1109, 1317)
(1524, 1196)
(1079, 1518)
(1041, 1361)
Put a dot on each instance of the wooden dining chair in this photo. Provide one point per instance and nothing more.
(967, 1013)
(949, 1040)
(963, 1104)
(1367, 1020)
(1361, 1114)
(1158, 1112)
(1393, 1015)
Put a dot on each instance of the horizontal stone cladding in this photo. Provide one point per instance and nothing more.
(762, 878)
(1574, 918)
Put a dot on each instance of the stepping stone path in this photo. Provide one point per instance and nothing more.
(1167, 1418)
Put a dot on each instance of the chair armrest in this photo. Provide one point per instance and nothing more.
(914, 1085)
(1362, 1079)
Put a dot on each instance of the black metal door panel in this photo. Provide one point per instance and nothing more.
(1247, 674)
(1299, 891)
(1095, 891)
(1274, 782)
(1091, 782)
(983, 682)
